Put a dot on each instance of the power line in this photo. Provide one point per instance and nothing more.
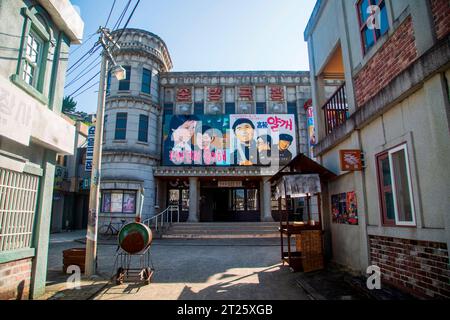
(128, 21)
(84, 85)
(110, 13)
(83, 59)
(98, 82)
(82, 74)
(122, 15)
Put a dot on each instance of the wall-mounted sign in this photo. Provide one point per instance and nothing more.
(351, 160)
(230, 184)
(184, 95)
(276, 93)
(246, 93)
(215, 94)
(90, 149)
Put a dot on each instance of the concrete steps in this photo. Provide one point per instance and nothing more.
(238, 230)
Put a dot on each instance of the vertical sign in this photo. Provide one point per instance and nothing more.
(90, 149)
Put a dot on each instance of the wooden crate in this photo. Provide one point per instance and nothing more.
(312, 263)
(74, 257)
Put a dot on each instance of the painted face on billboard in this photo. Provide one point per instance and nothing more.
(245, 132)
(263, 144)
(185, 132)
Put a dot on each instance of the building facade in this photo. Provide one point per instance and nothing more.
(72, 184)
(393, 107)
(35, 38)
(171, 138)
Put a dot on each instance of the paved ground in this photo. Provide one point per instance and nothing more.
(191, 270)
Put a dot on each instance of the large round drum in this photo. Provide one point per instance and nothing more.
(135, 237)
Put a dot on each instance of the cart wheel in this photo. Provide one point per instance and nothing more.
(120, 275)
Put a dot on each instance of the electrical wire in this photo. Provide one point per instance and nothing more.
(110, 13)
(79, 94)
(84, 85)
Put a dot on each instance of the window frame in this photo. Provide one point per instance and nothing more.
(121, 129)
(148, 86)
(123, 192)
(127, 80)
(141, 130)
(363, 24)
(396, 222)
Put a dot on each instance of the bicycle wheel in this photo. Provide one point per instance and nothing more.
(105, 232)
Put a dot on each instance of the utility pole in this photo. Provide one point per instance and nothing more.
(94, 197)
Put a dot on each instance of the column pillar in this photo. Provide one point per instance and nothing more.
(266, 203)
(193, 200)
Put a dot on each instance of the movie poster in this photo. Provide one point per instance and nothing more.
(195, 141)
(262, 140)
(344, 208)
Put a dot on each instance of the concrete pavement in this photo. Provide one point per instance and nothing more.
(233, 269)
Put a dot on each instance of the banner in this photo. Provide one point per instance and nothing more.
(229, 140)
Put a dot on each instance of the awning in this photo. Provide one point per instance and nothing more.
(303, 165)
(298, 186)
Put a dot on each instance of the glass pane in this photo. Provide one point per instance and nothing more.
(116, 201)
(174, 197)
(401, 177)
(239, 200)
(143, 128)
(386, 173)
(389, 202)
(384, 22)
(129, 202)
(369, 39)
(185, 200)
(363, 10)
(252, 200)
(106, 206)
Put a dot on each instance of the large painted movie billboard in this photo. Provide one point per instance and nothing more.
(229, 140)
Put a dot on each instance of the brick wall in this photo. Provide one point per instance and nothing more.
(15, 279)
(396, 54)
(419, 267)
(440, 10)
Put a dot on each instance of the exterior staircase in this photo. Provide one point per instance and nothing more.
(232, 230)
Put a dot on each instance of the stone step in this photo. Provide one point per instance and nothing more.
(239, 230)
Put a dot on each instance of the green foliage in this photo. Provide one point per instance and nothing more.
(69, 105)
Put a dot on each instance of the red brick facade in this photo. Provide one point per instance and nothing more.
(15, 280)
(392, 58)
(441, 16)
(419, 267)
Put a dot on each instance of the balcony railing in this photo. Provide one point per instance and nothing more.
(336, 110)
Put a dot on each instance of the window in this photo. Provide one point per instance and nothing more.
(252, 200)
(124, 85)
(32, 59)
(260, 108)
(143, 128)
(108, 83)
(121, 126)
(395, 187)
(292, 107)
(119, 201)
(168, 109)
(230, 108)
(146, 81)
(199, 108)
(105, 122)
(369, 34)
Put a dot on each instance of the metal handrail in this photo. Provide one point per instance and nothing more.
(336, 109)
(163, 217)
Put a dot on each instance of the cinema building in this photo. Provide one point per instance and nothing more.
(197, 140)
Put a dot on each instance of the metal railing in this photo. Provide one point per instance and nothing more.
(336, 110)
(163, 220)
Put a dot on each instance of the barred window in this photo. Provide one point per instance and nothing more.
(18, 196)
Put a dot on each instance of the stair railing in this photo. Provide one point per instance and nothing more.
(164, 219)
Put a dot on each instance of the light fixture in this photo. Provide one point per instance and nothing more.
(119, 72)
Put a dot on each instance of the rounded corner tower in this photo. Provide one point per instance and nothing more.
(133, 126)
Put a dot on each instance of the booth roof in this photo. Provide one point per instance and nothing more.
(302, 164)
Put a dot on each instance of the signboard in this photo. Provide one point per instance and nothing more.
(229, 140)
(90, 149)
(229, 184)
(344, 208)
(351, 160)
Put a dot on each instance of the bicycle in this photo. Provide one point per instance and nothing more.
(108, 231)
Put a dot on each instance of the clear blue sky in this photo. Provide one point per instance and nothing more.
(208, 35)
